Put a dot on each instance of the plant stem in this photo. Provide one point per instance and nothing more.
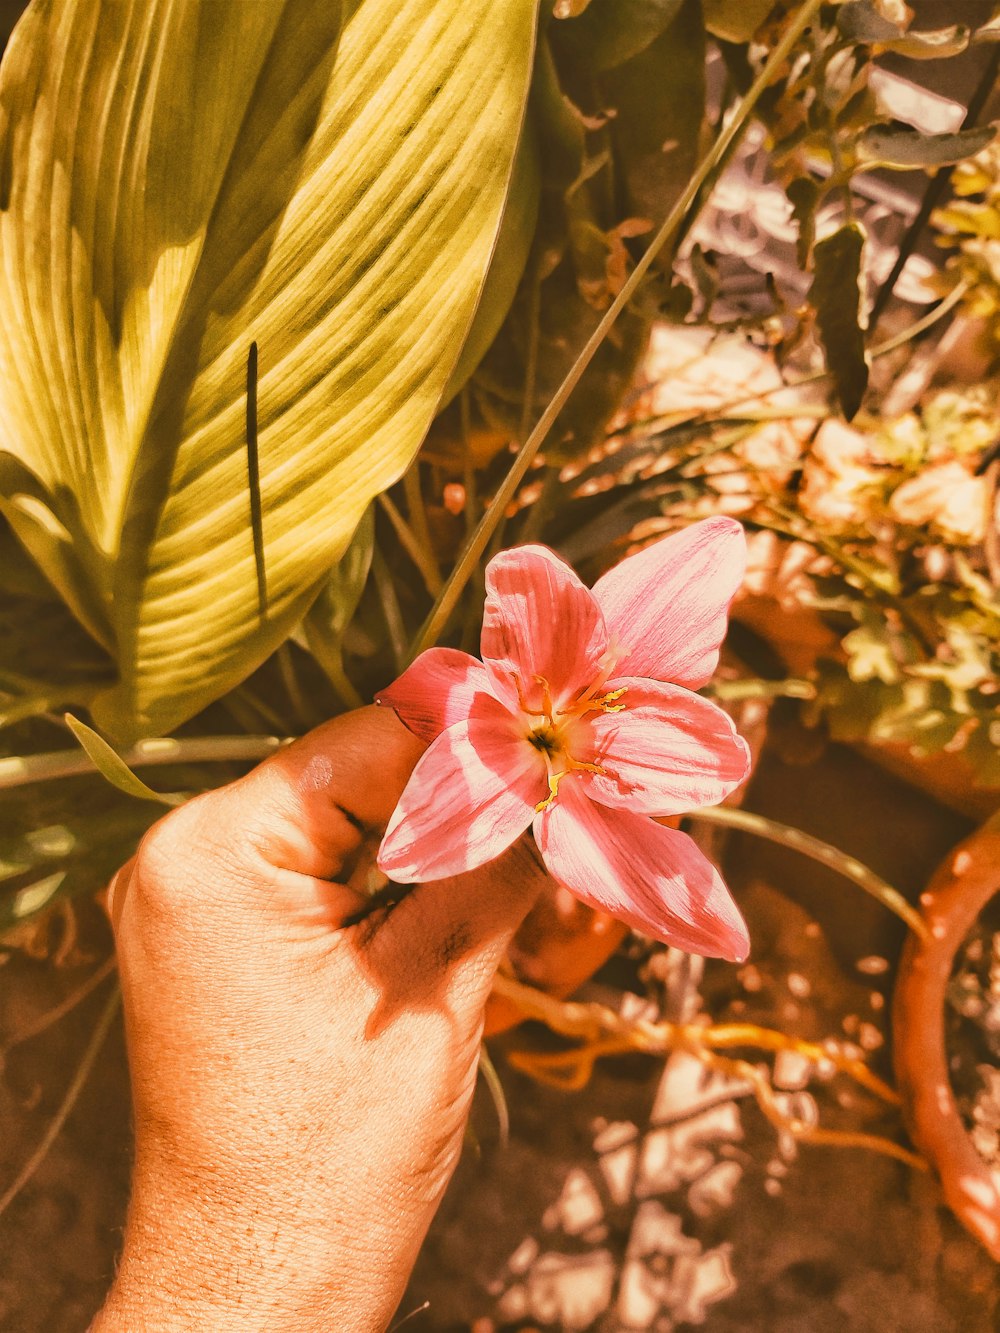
(418, 521)
(386, 590)
(832, 857)
(411, 544)
(912, 331)
(758, 688)
(468, 467)
(710, 165)
(19, 770)
(935, 191)
(66, 1006)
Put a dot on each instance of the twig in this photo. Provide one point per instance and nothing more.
(410, 543)
(74, 998)
(823, 852)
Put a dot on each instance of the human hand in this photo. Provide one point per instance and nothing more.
(300, 1084)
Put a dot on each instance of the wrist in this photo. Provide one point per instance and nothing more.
(194, 1263)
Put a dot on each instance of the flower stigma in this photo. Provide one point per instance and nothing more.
(551, 737)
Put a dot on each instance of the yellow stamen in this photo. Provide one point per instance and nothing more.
(575, 765)
(604, 703)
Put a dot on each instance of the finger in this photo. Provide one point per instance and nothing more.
(312, 805)
(294, 826)
(452, 934)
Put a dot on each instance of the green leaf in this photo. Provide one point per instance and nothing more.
(932, 45)
(177, 180)
(517, 231)
(30, 900)
(836, 295)
(861, 22)
(113, 767)
(904, 149)
(735, 20)
(659, 101)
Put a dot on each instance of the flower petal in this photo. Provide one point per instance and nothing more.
(436, 691)
(654, 878)
(667, 605)
(471, 795)
(539, 620)
(667, 751)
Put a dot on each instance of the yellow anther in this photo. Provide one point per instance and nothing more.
(603, 703)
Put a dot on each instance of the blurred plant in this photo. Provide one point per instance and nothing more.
(970, 224)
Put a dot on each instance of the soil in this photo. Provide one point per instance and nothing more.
(657, 1198)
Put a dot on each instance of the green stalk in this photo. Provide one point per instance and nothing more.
(900, 339)
(753, 687)
(411, 544)
(712, 163)
(418, 520)
(831, 857)
(19, 770)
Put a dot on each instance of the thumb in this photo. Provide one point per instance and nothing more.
(296, 823)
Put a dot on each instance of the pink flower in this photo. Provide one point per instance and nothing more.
(580, 723)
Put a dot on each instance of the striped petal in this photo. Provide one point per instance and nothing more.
(471, 795)
(436, 691)
(667, 751)
(653, 878)
(666, 606)
(539, 621)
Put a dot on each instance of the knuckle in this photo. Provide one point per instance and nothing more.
(178, 854)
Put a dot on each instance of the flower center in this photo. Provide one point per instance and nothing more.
(551, 737)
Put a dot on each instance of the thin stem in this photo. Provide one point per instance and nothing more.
(290, 680)
(757, 688)
(68, 1102)
(19, 770)
(935, 190)
(46, 1020)
(411, 544)
(535, 519)
(472, 514)
(921, 325)
(418, 521)
(832, 857)
(531, 358)
(497, 1095)
(728, 410)
(386, 590)
(712, 163)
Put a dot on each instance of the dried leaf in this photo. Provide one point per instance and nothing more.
(836, 296)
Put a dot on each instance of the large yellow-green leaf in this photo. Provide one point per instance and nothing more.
(178, 178)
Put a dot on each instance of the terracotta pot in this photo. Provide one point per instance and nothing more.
(960, 889)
